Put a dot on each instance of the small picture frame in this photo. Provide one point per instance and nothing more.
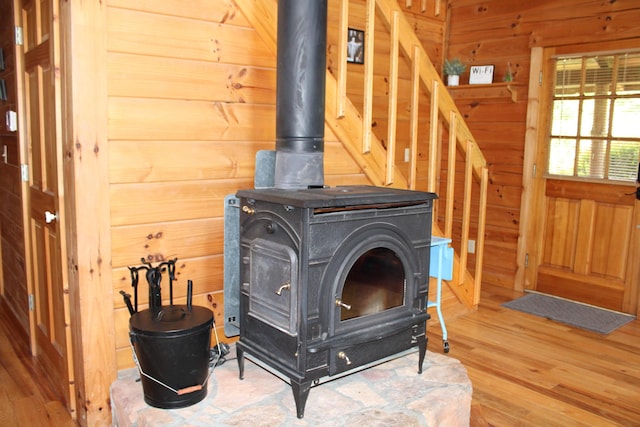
(481, 74)
(355, 46)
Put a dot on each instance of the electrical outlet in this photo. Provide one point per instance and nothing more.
(471, 246)
(407, 155)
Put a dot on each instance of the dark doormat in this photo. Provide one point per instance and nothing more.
(570, 312)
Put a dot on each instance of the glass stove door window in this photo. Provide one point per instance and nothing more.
(595, 124)
(376, 282)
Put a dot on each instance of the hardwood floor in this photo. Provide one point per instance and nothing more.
(525, 370)
(530, 371)
(26, 400)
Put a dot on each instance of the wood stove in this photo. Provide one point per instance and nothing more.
(329, 280)
(332, 279)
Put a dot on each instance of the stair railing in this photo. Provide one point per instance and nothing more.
(444, 117)
(377, 160)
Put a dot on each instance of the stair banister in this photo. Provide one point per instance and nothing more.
(354, 128)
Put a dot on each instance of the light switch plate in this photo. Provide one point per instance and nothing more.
(12, 121)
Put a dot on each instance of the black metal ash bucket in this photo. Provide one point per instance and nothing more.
(170, 344)
(172, 347)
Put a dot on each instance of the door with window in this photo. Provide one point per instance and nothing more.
(589, 217)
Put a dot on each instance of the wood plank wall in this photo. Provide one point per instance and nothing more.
(13, 282)
(191, 100)
(498, 32)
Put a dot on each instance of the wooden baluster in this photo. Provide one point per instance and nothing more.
(367, 113)
(466, 212)
(341, 65)
(415, 102)
(433, 137)
(393, 97)
(482, 215)
(451, 173)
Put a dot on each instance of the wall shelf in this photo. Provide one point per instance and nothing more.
(493, 90)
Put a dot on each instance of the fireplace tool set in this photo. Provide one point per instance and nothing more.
(170, 344)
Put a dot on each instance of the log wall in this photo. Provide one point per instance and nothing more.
(500, 32)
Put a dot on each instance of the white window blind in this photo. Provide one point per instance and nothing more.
(595, 125)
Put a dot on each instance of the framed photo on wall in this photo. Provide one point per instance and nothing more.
(355, 46)
(481, 74)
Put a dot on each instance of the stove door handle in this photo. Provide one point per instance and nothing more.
(284, 286)
(344, 357)
(339, 303)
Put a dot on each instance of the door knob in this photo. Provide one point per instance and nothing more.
(50, 217)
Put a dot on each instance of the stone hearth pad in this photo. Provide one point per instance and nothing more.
(389, 394)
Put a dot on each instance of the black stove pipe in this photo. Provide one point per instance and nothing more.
(300, 103)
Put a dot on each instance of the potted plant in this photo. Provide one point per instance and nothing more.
(508, 77)
(453, 69)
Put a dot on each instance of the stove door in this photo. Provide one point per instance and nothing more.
(375, 283)
(375, 279)
(273, 285)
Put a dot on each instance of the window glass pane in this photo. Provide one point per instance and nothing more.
(591, 158)
(565, 117)
(562, 156)
(623, 162)
(568, 76)
(626, 118)
(599, 71)
(595, 117)
(628, 82)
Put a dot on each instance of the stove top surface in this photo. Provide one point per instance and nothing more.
(337, 196)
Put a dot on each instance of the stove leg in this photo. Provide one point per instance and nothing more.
(422, 351)
(240, 358)
(300, 394)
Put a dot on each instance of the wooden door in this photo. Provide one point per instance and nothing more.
(583, 236)
(41, 108)
(589, 250)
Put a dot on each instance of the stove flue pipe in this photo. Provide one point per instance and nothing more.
(300, 103)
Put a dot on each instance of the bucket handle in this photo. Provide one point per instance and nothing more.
(180, 392)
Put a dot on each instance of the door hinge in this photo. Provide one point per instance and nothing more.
(31, 303)
(19, 40)
(526, 260)
(24, 172)
(540, 79)
(534, 170)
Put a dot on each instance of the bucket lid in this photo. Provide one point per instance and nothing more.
(171, 319)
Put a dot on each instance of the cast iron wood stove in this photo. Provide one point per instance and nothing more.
(332, 279)
(329, 280)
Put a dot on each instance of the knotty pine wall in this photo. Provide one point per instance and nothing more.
(191, 92)
(498, 32)
(191, 101)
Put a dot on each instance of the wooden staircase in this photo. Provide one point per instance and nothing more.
(452, 154)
